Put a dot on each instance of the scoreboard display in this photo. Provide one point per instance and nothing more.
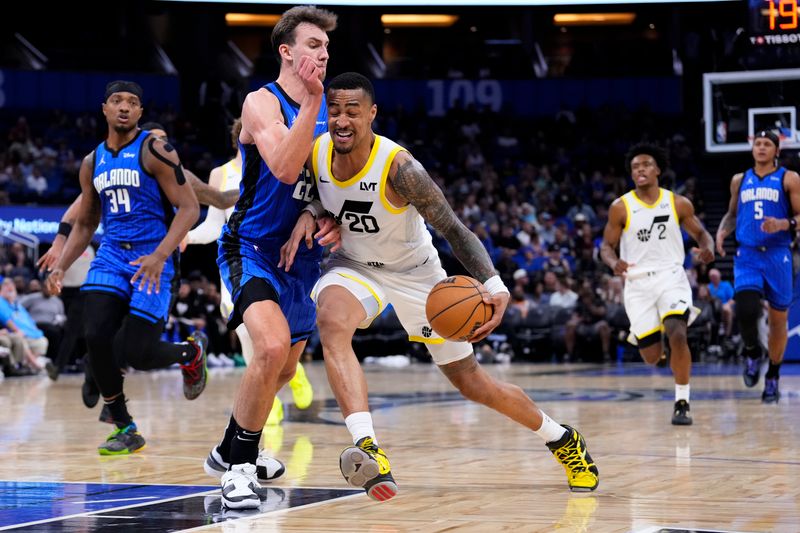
(773, 22)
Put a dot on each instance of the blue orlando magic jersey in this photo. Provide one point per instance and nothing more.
(134, 208)
(761, 197)
(268, 209)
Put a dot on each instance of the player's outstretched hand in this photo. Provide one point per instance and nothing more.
(499, 302)
(49, 259)
(772, 225)
(311, 75)
(328, 233)
(303, 231)
(149, 273)
(704, 255)
(54, 281)
(721, 243)
(621, 267)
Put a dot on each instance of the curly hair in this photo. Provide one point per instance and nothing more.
(656, 152)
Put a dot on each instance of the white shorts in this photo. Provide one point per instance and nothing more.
(649, 299)
(406, 291)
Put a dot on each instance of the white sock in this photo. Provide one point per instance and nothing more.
(550, 430)
(360, 425)
(682, 392)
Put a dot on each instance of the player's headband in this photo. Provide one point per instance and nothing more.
(767, 134)
(122, 86)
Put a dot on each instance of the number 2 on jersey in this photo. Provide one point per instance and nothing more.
(758, 208)
(118, 198)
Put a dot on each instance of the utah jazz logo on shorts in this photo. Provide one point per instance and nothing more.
(660, 225)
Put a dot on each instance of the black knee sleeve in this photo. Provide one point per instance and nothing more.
(748, 312)
(136, 341)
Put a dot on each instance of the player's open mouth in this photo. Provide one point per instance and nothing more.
(343, 135)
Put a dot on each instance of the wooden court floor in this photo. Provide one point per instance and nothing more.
(459, 466)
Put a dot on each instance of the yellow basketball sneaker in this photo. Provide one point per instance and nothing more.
(570, 451)
(365, 465)
(302, 392)
(276, 413)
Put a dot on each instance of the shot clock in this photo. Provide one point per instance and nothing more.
(774, 22)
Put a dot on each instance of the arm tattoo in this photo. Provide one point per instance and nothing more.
(728, 223)
(414, 184)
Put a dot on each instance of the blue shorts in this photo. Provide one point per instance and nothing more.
(238, 264)
(768, 271)
(111, 273)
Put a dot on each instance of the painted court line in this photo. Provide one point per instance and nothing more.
(278, 512)
(90, 513)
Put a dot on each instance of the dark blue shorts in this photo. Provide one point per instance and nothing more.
(238, 264)
(766, 270)
(111, 273)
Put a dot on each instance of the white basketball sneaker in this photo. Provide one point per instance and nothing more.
(240, 486)
(267, 468)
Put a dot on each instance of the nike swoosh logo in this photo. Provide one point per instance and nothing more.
(324, 181)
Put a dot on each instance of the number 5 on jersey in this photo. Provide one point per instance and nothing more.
(118, 198)
(758, 210)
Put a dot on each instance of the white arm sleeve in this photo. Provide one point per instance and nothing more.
(210, 228)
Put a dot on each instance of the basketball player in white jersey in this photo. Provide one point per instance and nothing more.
(227, 178)
(382, 198)
(646, 224)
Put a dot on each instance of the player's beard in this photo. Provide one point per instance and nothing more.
(343, 150)
(124, 128)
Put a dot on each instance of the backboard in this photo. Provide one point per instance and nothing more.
(737, 104)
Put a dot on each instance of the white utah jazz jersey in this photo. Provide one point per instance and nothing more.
(231, 177)
(374, 232)
(652, 239)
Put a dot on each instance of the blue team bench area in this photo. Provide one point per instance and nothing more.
(88, 507)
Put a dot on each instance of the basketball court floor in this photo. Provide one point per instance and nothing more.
(459, 466)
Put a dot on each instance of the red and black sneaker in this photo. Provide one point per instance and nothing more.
(195, 372)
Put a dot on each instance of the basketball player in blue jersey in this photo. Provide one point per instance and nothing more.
(764, 208)
(279, 124)
(89, 391)
(132, 181)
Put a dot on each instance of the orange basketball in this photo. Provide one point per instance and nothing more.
(455, 307)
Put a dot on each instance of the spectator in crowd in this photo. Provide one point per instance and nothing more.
(722, 291)
(588, 322)
(555, 261)
(564, 296)
(28, 342)
(36, 182)
(47, 311)
(188, 312)
(19, 265)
